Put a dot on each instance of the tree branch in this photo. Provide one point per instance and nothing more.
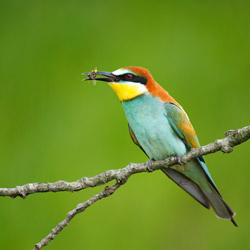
(232, 139)
(79, 208)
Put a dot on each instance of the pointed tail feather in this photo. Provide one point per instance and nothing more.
(220, 207)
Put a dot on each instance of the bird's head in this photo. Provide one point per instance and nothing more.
(131, 82)
(128, 82)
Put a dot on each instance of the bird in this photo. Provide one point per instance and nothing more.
(159, 125)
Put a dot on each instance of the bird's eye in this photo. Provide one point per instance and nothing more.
(129, 76)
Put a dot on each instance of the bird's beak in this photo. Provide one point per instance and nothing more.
(110, 77)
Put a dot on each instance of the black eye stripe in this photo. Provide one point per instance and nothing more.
(134, 78)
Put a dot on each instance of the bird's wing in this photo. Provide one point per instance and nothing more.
(181, 125)
(184, 129)
(179, 121)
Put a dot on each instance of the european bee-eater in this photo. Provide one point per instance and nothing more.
(161, 128)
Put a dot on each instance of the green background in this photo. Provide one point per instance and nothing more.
(55, 127)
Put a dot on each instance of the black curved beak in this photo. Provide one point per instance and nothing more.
(109, 76)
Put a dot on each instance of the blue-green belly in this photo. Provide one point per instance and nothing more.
(147, 118)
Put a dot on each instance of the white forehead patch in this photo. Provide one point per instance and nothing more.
(119, 72)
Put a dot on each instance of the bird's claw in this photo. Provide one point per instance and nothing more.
(149, 165)
(179, 160)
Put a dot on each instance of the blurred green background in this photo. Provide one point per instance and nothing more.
(53, 126)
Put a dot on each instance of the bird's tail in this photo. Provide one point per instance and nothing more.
(220, 207)
(207, 194)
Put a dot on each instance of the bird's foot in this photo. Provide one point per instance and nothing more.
(179, 160)
(149, 165)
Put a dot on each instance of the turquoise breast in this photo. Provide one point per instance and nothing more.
(147, 118)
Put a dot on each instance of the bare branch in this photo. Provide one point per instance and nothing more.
(233, 138)
(79, 208)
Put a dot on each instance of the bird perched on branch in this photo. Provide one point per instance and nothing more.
(161, 128)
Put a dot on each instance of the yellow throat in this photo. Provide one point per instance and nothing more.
(126, 91)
